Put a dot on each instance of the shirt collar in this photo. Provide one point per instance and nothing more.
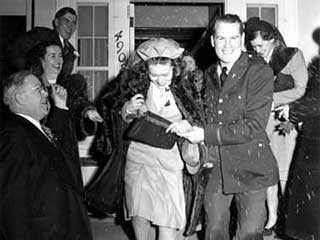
(61, 40)
(32, 120)
(268, 58)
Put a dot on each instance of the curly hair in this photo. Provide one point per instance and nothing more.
(35, 54)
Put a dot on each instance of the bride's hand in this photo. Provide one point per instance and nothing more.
(179, 127)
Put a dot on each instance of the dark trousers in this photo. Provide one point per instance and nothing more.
(251, 215)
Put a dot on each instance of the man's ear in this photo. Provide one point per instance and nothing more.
(55, 23)
(243, 47)
(212, 40)
(19, 97)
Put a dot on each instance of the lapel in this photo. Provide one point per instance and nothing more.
(42, 143)
(40, 140)
(57, 39)
(236, 72)
(213, 77)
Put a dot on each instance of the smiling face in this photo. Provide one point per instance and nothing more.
(52, 61)
(161, 74)
(227, 42)
(262, 47)
(66, 25)
(33, 98)
(190, 63)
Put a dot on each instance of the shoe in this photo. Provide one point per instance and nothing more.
(268, 231)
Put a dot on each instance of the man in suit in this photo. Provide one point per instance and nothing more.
(39, 196)
(64, 25)
(238, 96)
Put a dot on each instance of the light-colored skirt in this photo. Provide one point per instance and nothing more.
(155, 193)
(281, 146)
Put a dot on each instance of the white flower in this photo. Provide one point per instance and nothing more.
(76, 53)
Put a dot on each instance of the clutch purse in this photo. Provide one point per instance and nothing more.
(150, 129)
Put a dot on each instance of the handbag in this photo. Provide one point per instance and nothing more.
(150, 129)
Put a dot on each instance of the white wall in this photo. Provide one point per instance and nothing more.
(297, 21)
(13, 7)
(309, 20)
(44, 11)
(287, 10)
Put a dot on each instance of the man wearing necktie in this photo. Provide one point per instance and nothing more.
(64, 25)
(223, 75)
(238, 97)
(40, 196)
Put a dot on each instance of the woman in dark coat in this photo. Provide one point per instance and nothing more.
(303, 191)
(111, 140)
(45, 61)
(290, 80)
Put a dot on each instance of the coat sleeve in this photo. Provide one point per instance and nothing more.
(309, 105)
(14, 188)
(298, 70)
(254, 120)
(79, 104)
(59, 122)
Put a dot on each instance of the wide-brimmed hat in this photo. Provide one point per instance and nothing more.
(159, 47)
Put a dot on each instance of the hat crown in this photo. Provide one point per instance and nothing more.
(159, 47)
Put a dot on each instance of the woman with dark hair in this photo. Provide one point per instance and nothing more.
(290, 80)
(153, 175)
(45, 61)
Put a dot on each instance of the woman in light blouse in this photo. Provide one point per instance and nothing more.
(290, 80)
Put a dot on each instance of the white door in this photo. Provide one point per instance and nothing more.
(102, 40)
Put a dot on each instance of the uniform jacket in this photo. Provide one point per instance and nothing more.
(237, 115)
(18, 49)
(40, 196)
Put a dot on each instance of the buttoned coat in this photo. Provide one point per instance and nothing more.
(237, 114)
(40, 197)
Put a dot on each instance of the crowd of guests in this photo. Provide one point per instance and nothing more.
(242, 129)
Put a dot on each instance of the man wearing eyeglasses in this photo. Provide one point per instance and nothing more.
(64, 25)
(40, 197)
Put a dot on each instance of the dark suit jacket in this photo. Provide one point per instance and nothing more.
(39, 196)
(79, 127)
(237, 115)
(17, 50)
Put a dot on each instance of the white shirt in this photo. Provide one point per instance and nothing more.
(33, 121)
(61, 40)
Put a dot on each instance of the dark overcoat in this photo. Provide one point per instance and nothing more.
(303, 187)
(39, 195)
(79, 126)
(237, 115)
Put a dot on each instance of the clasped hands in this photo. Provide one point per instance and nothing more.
(184, 129)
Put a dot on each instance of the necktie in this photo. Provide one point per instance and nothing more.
(66, 48)
(223, 75)
(48, 133)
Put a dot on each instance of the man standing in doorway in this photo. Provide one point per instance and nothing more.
(64, 25)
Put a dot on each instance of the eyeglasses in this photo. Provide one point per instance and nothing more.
(39, 88)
